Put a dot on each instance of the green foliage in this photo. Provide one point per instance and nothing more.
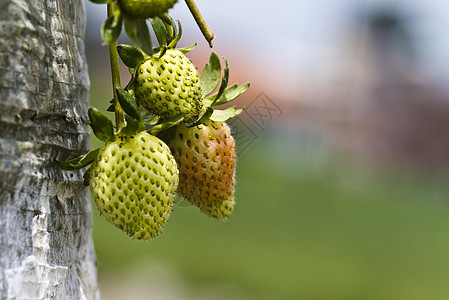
(159, 30)
(166, 124)
(111, 29)
(224, 82)
(130, 55)
(230, 94)
(210, 78)
(86, 176)
(187, 49)
(101, 125)
(79, 162)
(132, 126)
(224, 115)
(171, 26)
(138, 32)
(177, 37)
(129, 105)
(207, 113)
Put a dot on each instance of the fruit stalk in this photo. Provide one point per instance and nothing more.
(207, 32)
(115, 70)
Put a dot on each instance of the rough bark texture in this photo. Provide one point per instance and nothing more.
(46, 250)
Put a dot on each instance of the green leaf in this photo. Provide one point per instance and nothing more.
(148, 118)
(102, 1)
(132, 126)
(224, 115)
(230, 94)
(130, 86)
(111, 108)
(172, 29)
(159, 30)
(128, 104)
(167, 135)
(187, 49)
(138, 33)
(159, 52)
(210, 78)
(176, 39)
(111, 29)
(167, 19)
(79, 162)
(101, 125)
(131, 29)
(224, 83)
(203, 117)
(130, 55)
(86, 176)
(167, 123)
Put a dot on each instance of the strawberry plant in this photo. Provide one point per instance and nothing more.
(169, 138)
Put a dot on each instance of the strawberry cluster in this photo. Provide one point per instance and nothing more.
(169, 138)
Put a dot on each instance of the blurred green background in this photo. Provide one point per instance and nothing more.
(343, 157)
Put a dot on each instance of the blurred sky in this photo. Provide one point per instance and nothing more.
(299, 38)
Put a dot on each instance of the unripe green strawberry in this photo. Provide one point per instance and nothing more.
(169, 86)
(206, 161)
(146, 8)
(134, 181)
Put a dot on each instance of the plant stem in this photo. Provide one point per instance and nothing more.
(115, 70)
(207, 32)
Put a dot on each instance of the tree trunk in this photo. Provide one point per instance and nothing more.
(46, 250)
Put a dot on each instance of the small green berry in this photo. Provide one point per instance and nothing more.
(169, 86)
(134, 181)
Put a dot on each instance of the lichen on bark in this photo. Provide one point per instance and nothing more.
(46, 249)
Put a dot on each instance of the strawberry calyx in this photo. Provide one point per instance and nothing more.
(210, 80)
(103, 128)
